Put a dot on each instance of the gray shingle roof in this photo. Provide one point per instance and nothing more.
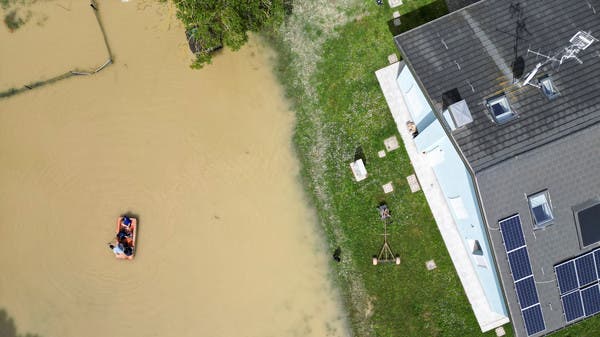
(478, 62)
(568, 169)
(553, 145)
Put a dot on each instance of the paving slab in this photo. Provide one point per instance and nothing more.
(413, 183)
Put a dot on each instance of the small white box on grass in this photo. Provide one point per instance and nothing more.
(413, 183)
(394, 3)
(359, 170)
(388, 188)
(391, 143)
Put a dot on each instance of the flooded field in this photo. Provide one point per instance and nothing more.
(227, 245)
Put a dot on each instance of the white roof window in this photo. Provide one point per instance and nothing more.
(541, 211)
(500, 109)
(548, 88)
(460, 113)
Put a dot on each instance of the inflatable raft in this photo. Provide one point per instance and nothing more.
(125, 236)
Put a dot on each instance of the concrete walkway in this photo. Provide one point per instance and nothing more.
(486, 318)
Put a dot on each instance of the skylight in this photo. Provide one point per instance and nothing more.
(460, 113)
(548, 88)
(588, 220)
(541, 212)
(500, 109)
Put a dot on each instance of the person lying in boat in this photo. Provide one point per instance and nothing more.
(125, 240)
(118, 249)
(123, 234)
(128, 251)
(125, 229)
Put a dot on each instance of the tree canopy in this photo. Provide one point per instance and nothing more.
(216, 23)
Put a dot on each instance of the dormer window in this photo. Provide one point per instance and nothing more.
(548, 88)
(500, 109)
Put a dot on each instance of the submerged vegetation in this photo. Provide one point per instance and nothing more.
(14, 20)
(211, 24)
(8, 328)
(17, 13)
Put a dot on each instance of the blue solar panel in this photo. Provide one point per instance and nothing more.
(591, 300)
(572, 306)
(597, 257)
(519, 263)
(520, 266)
(586, 269)
(527, 292)
(534, 321)
(512, 233)
(567, 278)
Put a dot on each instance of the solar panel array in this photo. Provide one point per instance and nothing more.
(578, 285)
(520, 267)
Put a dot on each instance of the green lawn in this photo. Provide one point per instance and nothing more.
(328, 73)
(343, 109)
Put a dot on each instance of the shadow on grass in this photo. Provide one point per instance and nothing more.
(8, 328)
(359, 153)
(418, 17)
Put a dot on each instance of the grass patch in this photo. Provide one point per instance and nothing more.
(407, 298)
(586, 328)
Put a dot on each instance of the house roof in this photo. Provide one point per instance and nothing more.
(552, 144)
(483, 41)
(571, 180)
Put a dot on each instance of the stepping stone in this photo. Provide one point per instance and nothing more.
(394, 3)
(392, 58)
(388, 188)
(500, 331)
(381, 153)
(413, 183)
(391, 143)
(396, 14)
(430, 265)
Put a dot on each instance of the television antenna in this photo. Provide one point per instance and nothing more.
(580, 41)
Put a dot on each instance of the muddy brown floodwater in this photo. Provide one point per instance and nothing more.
(227, 245)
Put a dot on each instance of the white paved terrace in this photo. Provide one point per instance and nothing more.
(486, 318)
